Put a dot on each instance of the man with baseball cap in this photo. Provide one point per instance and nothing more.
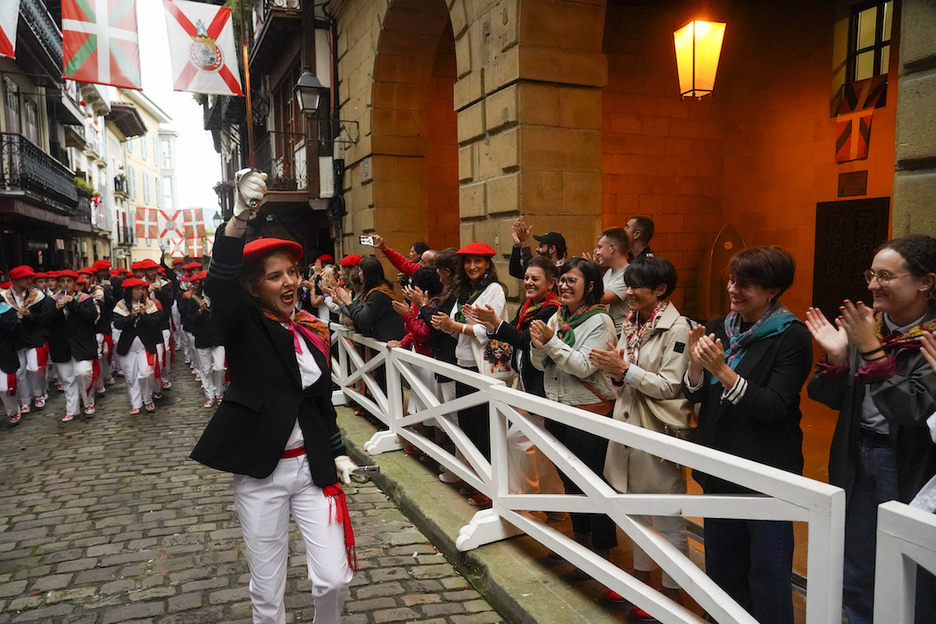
(551, 245)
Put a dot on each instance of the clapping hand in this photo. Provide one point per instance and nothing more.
(858, 323)
(614, 361)
(415, 295)
(484, 316)
(540, 333)
(520, 233)
(832, 338)
(400, 307)
(443, 322)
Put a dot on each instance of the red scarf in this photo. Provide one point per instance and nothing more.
(633, 332)
(306, 324)
(529, 310)
(339, 513)
(910, 339)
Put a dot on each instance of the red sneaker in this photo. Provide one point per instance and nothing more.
(612, 596)
(68, 418)
(637, 614)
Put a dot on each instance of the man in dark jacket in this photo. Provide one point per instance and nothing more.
(33, 308)
(73, 344)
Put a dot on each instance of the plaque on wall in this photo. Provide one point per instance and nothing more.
(853, 183)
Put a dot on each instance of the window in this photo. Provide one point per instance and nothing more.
(869, 40)
(132, 178)
(158, 193)
(167, 191)
(130, 145)
(11, 105)
(156, 149)
(143, 147)
(31, 119)
(166, 154)
(146, 187)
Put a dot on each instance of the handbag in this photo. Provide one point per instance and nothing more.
(602, 408)
(495, 360)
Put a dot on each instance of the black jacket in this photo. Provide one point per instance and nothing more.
(250, 429)
(509, 332)
(103, 325)
(376, 319)
(33, 330)
(71, 331)
(9, 331)
(765, 424)
(147, 327)
(201, 323)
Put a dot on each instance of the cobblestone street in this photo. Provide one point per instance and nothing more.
(106, 520)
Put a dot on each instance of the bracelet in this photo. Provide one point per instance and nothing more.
(465, 329)
(871, 352)
(877, 359)
(242, 220)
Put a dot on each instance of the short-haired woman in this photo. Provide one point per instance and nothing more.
(747, 370)
(648, 366)
(276, 429)
(875, 373)
(561, 349)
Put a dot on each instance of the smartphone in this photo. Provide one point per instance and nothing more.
(366, 240)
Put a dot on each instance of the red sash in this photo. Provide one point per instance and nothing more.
(11, 384)
(339, 513)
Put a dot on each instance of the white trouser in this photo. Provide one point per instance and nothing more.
(176, 319)
(427, 376)
(188, 345)
(10, 402)
(102, 350)
(75, 377)
(673, 528)
(263, 507)
(211, 368)
(164, 356)
(118, 365)
(28, 384)
(140, 375)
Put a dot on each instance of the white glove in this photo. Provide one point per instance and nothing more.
(344, 465)
(251, 187)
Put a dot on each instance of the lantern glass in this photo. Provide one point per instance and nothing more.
(309, 93)
(698, 46)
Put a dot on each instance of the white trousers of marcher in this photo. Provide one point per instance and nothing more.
(673, 528)
(75, 377)
(28, 384)
(102, 350)
(188, 344)
(10, 403)
(263, 507)
(118, 365)
(211, 369)
(164, 355)
(139, 374)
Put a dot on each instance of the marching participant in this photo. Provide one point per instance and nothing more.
(73, 345)
(139, 320)
(32, 308)
(162, 291)
(208, 341)
(276, 429)
(104, 327)
(9, 361)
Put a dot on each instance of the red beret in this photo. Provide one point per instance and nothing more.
(81, 280)
(199, 276)
(66, 273)
(101, 265)
(125, 271)
(192, 265)
(256, 249)
(178, 261)
(135, 266)
(477, 249)
(21, 271)
(130, 282)
(40, 276)
(325, 258)
(147, 264)
(116, 272)
(52, 274)
(161, 271)
(351, 260)
(86, 271)
(6, 285)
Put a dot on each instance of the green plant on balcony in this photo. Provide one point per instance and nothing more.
(84, 188)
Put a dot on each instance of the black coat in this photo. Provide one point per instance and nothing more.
(204, 328)
(33, 328)
(765, 424)
(376, 318)
(509, 332)
(146, 327)
(249, 431)
(107, 311)
(166, 297)
(71, 330)
(9, 331)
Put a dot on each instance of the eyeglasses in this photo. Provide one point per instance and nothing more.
(568, 281)
(883, 277)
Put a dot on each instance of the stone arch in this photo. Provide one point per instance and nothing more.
(414, 143)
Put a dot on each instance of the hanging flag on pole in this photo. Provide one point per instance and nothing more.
(194, 226)
(147, 225)
(100, 42)
(9, 15)
(201, 48)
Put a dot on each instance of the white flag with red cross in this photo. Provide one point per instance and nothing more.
(175, 248)
(9, 15)
(201, 48)
(170, 224)
(100, 42)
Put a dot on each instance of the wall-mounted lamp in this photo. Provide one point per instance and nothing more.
(216, 219)
(698, 46)
(309, 92)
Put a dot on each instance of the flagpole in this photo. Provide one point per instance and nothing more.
(250, 129)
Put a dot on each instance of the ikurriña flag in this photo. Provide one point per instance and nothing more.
(201, 48)
(9, 15)
(101, 43)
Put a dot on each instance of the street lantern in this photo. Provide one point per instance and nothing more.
(698, 46)
(216, 219)
(309, 92)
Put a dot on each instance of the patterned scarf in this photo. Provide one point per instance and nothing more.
(384, 288)
(774, 322)
(459, 315)
(633, 330)
(314, 330)
(910, 339)
(529, 310)
(566, 323)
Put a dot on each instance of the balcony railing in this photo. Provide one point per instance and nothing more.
(25, 167)
(282, 156)
(44, 28)
(121, 185)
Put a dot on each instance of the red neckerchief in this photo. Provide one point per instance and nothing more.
(530, 310)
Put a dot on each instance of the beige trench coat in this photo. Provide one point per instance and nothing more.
(653, 400)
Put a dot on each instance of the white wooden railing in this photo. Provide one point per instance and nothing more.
(906, 538)
(785, 496)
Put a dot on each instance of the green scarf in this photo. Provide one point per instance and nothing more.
(565, 323)
(459, 315)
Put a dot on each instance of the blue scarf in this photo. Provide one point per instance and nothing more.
(773, 323)
(4, 307)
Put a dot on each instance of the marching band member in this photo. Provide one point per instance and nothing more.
(139, 320)
(32, 308)
(73, 345)
(9, 361)
(208, 341)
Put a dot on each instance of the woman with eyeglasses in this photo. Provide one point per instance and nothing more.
(561, 349)
(746, 369)
(875, 374)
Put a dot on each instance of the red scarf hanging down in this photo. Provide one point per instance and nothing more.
(11, 384)
(338, 513)
(306, 324)
(95, 374)
(109, 343)
(42, 358)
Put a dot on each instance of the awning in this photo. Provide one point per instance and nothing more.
(127, 119)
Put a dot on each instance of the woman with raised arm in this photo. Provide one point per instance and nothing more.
(276, 429)
(648, 365)
(875, 373)
(561, 349)
(747, 370)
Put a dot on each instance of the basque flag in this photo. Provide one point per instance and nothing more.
(9, 15)
(100, 42)
(201, 48)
